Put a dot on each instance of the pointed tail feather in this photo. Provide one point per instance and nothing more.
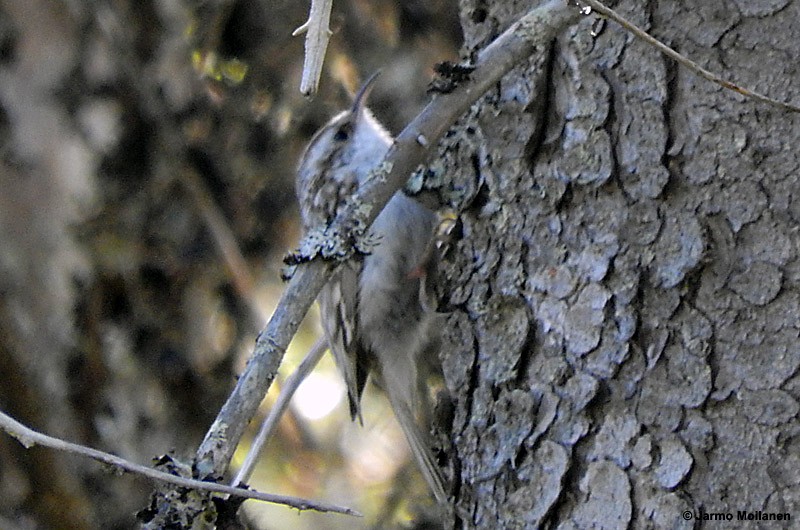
(422, 453)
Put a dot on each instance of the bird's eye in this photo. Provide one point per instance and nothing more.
(342, 134)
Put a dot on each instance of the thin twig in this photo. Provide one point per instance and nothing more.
(216, 450)
(316, 44)
(688, 63)
(28, 438)
(288, 389)
(533, 32)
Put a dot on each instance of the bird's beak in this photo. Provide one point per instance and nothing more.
(360, 101)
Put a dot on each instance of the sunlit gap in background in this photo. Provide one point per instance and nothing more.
(318, 395)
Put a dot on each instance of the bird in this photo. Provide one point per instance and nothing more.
(372, 310)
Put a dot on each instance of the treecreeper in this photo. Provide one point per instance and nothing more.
(373, 309)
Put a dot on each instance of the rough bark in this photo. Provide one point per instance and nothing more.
(624, 340)
(625, 334)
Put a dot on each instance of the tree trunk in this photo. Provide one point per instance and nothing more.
(623, 346)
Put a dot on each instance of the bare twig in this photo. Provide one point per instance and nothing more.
(688, 63)
(288, 389)
(28, 438)
(317, 36)
(223, 436)
(533, 32)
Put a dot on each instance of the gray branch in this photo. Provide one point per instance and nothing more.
(269, 424)
(29, 438)
(531, 34)
(317, 36)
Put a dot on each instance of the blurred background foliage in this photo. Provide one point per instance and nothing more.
(145, 146)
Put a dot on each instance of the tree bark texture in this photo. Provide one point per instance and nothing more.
(624, 276)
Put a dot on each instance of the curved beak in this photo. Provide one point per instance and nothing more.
(360, 100)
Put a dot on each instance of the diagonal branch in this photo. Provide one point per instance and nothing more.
(288, 390)
(28, 438)
(531, 34)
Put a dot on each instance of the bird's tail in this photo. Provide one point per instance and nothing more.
(421, 451)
